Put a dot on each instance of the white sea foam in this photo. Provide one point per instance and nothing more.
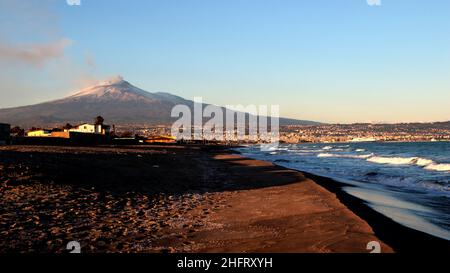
(363, 156)
(428, 164)
(424, 162)
(438, 167)
(360, 150)
(274, 148)
(344, 155)
(393, 160)
(326, 155)
(327, 148)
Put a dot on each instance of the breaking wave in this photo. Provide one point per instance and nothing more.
(393, 160)
(426, 163)
(438, 167)
(344, 156)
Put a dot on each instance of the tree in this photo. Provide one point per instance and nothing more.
(99, 120)
(68, 126)
(17, 131)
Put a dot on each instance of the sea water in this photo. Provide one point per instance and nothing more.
(407, 182)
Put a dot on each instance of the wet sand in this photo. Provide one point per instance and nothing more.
(299, 217)
(167, 199)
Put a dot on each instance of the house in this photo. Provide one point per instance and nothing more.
(90, 129)
(39, 133)
(5, 131)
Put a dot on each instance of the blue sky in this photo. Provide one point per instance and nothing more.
(325, 60)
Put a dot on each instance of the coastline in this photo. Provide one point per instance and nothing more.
(183, 199)
(295, 215)
(401, 238)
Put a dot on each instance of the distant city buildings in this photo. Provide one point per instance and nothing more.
(407, 132)
(326, 133)
(161, 139)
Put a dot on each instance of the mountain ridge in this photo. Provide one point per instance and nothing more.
(117, 100)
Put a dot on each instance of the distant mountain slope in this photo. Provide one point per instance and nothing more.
(118, 101)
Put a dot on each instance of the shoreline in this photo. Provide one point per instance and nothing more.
(399, 237)
(384, 227)
(135, 200)
(293, 215)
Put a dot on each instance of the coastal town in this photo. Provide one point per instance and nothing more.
(366, 132)
(292, 134)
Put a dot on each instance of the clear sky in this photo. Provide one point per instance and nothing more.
(324, 60)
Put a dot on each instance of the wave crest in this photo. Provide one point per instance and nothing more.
(393, 160)
(426, 163)
(438, 167)
(344, 156)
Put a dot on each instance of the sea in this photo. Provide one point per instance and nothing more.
(408, 182)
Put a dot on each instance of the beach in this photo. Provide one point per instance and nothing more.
(153, 199)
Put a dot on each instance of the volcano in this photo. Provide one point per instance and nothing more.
(118, 101)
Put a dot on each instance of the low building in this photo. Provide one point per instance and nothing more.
(91, 129)
(5, 132)
(161, 139)
(60, 134)
(39, 133)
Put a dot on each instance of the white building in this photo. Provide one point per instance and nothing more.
(90, 129)
(39, 133)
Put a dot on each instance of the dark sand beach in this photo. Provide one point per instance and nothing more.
(150, 199)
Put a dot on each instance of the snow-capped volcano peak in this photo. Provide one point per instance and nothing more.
(115, 88)
(113, 81)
